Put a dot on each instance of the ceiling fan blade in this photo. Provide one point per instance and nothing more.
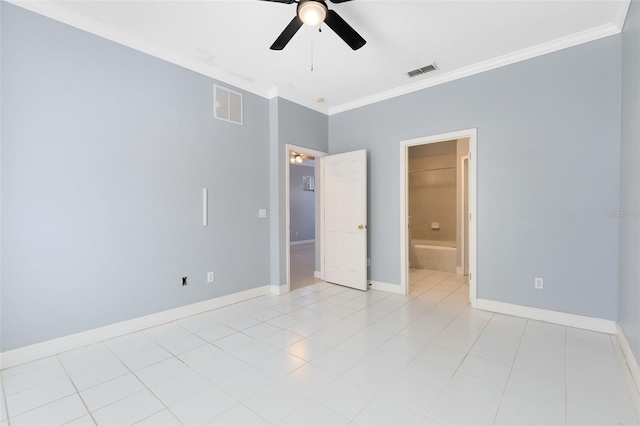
(344, 30)
(332, 1)
(287, 34)
(287, 1)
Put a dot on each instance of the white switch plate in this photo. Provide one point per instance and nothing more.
(262, 212)
(368, 261)
(210, 277)
(539, 283)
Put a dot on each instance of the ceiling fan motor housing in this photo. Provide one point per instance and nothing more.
(312, 12)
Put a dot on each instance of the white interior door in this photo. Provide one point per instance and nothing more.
(345, 230)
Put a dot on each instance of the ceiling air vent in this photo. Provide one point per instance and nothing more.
(227, 105)
(422, 70)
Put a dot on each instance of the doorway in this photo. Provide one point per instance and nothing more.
(304, 256)
(463, 258)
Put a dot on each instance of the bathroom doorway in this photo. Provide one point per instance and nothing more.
(433, 206)
(437, 218)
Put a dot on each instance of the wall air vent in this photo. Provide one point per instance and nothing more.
(423, 70)
(227, 104)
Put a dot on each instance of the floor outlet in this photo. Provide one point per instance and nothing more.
(210, 277)
(539, 283)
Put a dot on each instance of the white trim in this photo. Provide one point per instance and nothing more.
(318, 199)
(629, 357)
(272, 93)
(320, 178)
(388, 287)
(65, 16)
(277, 289)
(105, 31)
(511, 58)
(318, 274)
(463, 217)
(554, 317)
(622, 14)
(301, 242)
(404, 208)
(37, 351)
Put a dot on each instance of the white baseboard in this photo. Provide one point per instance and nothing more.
(390, 288)
(628, 355)
(277, 289)
(554, 317)
(318, 274)
(38, 351)
(301, 242)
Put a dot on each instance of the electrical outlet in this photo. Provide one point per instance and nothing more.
(184, 281)
(210, 277)
(262, 212)
(539, 283)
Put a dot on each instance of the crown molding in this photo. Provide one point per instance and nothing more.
(621, 16)
(57, 13)
(273, 93)
(521, 55)
(65, 16)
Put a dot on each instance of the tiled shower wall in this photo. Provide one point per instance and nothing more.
(432, 197)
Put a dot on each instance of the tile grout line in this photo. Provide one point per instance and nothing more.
(442, 390)
(504, 391)
(77, 392)
(4, 401)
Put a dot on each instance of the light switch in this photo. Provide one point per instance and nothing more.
(262, 213)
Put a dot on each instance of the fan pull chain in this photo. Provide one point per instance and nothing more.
(311, 51)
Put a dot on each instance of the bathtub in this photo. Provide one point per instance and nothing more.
(436, 255)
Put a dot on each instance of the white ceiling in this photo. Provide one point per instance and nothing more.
(229, 40)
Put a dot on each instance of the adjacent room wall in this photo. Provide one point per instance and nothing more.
(302, 204)
(432, 196)
(296, 125)
(105, 151)
(548, 159)
(629, 312)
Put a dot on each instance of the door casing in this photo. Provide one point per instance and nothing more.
(404, 207)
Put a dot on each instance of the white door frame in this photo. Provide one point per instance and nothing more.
(404, 208)
(463, 218)
(318, 200)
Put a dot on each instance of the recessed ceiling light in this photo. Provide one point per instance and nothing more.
(319, 99)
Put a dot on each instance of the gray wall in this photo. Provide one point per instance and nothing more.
(302, 204)
(296, 125)
(104, 154)
(548, 167)
(629, 312)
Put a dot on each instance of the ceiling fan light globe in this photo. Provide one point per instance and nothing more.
(312, 13)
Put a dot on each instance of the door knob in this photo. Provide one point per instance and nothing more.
(361, 226)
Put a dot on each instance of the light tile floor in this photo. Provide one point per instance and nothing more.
(303, 264)
(329, 355)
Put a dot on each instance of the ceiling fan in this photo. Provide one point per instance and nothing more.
(314, 13)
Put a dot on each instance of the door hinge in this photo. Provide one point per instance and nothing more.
(469, 216)
(470, 276)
